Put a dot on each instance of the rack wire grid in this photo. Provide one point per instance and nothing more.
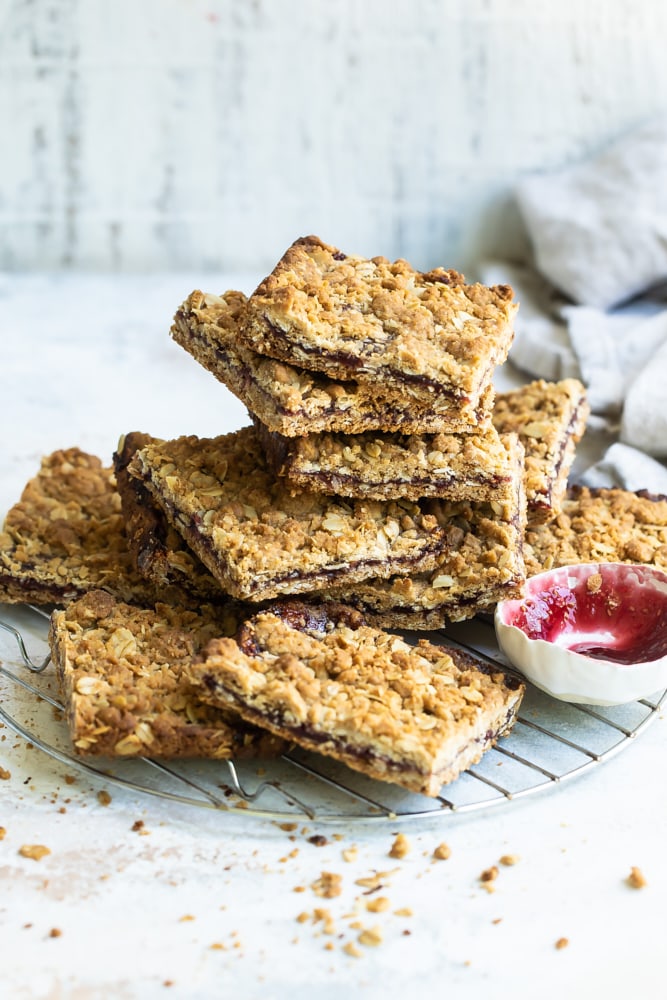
(551, 741)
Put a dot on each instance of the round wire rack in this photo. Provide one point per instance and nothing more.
(551, 741)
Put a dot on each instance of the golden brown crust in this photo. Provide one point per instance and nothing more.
(550, 419)
(391, 466)
(413, 715)
(65, 536)
(292, 401)
(258, 540)
(121, 672)
(600, 525)
(428, 334)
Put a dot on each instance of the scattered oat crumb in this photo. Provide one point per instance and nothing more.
(561, 943)
(185, 917)
(378, 905)
(373, 882)
(55, 932)
(3, 833)
(356, 925)
(34, 851)
(103, 798)
(594, 583)
(351, 950)
(70, 779)
(400, 847)
(318, 840)
(5, 775)
(442, 852)
(498, 920)
(137, 825)
(371, 937)
(350, 854)
(218, 946)
(403, 911)
(327, 885)
(489, 874)
(299, 888)
(336, 836)
(288, 827)
(168, 982)
(329, 946)
(509, 859)
(320, 915)
(636, 879)
(302, 917)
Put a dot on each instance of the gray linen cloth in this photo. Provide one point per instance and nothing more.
(593, 300)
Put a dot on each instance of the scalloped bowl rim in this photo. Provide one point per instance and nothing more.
(571, 676)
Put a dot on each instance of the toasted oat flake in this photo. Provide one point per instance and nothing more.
(442, 852)
(5, 775)
(327, 885)
(489, 874)
(370, 937)
(350, 854)
(3, 833)
(34, 851)
(561, 943)
(509, 859)
(403, 911)
(103, 797)
(378, 904)
(351, 950)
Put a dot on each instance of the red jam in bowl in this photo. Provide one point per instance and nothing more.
(612, 611)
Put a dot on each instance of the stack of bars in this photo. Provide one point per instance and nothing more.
(229, 595)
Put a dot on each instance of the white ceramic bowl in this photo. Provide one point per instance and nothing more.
(594, 634)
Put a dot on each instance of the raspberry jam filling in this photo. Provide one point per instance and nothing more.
(610, 611)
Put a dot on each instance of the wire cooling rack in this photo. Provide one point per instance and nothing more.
(551, 741)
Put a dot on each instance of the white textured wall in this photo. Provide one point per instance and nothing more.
(170, 134)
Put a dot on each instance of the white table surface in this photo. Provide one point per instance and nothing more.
(204, 904)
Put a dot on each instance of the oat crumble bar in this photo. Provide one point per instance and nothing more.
(550, 419)
(65, 536)
(416, 716)
(258, 540)
(429, 335)
(159, 552)
(481, 563)
(122, 674)
(475, 466)
(292, 401)
(600, 525)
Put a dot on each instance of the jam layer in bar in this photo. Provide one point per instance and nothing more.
(383, 466)
(429, 335)
(318, 676)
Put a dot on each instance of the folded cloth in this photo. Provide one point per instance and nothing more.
(627, 468)
(599, 227)
(644, 422)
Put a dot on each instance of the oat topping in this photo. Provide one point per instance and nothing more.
(258, 540)
(413, 715)
(121, 671)
(328, 885)
(373, 321)
(400, 847)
